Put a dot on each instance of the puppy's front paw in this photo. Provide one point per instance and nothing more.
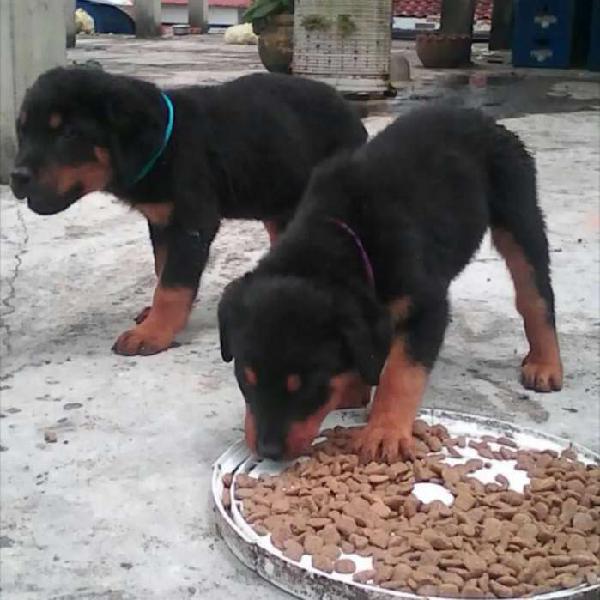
(541, 376)
(143, 340)
(386, 443)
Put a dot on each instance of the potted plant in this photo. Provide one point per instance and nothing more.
(273, 22)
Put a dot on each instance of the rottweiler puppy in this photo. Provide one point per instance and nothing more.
(357, 286)
(185, 158)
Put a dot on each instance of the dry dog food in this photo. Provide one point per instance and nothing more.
(493, 542)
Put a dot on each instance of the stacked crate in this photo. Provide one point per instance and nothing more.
(551, 33)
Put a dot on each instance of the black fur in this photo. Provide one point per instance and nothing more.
(244, 149)
(420, 197)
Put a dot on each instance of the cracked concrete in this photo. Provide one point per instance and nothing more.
(118, 507)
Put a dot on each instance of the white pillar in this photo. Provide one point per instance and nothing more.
(70, 22)
(147, 18)
(32, 40)
(199, 14)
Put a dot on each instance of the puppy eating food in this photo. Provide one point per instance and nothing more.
(356, 289)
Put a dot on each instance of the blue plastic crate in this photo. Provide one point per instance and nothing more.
(550, 33)
(594, 53)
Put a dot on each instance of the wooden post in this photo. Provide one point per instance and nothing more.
(457, 16)
(501, 33)
(198, 11)
(70, 23)
(147, 18)
(32, 40)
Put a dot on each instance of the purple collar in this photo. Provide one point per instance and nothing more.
(359, 245)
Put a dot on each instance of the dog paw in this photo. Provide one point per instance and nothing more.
(141, 316)
(144, 341)
(541, 376)
(388, 444)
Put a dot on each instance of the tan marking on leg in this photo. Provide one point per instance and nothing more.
(542, 367)
(157, 213)
(388, 434)
(23, 117)
(350, 390)
(168, 315)
(272, 230)
(160, 257)
(400, 309)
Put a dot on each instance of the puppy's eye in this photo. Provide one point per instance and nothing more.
(293, 383)
(250, 376)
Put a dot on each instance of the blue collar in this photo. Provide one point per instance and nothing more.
(168, 132)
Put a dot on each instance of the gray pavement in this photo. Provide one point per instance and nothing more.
(118, 508)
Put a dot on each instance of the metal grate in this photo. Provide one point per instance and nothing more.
(345, 43)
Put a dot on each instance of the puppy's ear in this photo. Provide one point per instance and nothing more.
(366, 329)
(136, 121)
(229, 313)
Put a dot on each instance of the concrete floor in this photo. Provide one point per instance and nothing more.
(118, 508)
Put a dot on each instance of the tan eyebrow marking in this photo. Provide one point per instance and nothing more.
(55, 120)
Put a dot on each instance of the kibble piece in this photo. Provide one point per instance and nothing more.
(227, 480)
(243, 493)
(322, 563)
(293, 550)
(420, 428)
(428, 590)
(279, 536)
(402, 572)
(260, 529)
(472, 591)
(345, 525)
(313, 544)
(475, 566)
(584, 522)
(411, 506)
(505, 441)
(330, 551)
(330, 534)
(364, 576)
(280, 505)
(226, 498)
(345, 566)
(543, 485)
(464, 501)
(319, 522)
(448, 590)
(492, 529)
(245, 481)
(501, 591)
(576, 542)
(359, 541)
(583, 559)
(379, 538)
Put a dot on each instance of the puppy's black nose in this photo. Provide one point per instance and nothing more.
(20, 178)
(271, 449)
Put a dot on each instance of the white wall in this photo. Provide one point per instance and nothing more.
(217, 15)
(32, 40)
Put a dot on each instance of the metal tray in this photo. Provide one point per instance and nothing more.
(302, 580)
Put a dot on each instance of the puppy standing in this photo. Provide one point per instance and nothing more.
(359, 282)
(185, 158)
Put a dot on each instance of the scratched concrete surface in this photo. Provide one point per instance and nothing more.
(118, 508)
